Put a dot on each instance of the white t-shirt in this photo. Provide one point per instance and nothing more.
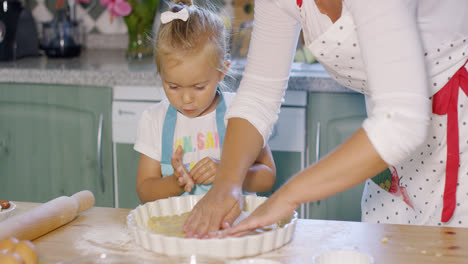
(198, 136)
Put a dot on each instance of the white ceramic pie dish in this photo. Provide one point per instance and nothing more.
(251, 245)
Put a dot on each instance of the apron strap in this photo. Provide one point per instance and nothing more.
(445, 102)
(168, 135)
(220, 113)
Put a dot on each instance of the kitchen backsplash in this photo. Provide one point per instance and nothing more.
(95, 20)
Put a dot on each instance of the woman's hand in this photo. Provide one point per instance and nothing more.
(204, 171)
(183, 177)
(220, 206)
(274, 209)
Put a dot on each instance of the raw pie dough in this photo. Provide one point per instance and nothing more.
(172, 225)
(168, 225)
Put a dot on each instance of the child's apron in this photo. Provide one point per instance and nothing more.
(168, 141)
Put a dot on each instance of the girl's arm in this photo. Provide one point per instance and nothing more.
(261, 175)
(150, 183)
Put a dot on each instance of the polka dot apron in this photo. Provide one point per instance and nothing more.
(411, 192)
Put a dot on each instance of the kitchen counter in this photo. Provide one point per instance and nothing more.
(103, 230)
(109, 68)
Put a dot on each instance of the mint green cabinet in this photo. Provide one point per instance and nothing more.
(126, 170)
(287, 164)
(333, 117)
(55, 140)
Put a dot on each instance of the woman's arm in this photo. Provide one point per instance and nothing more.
(150, 183)
(397, 80)
(351, 163)
(393, 54)
(261, 175)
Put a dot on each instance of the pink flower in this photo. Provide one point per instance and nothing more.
(117, 7)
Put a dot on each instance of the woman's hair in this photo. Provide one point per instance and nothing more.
(203, 28)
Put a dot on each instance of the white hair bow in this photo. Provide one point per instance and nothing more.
(168, 16)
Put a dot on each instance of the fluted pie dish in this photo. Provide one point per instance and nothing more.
(256, 243)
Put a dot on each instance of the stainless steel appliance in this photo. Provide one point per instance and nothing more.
(62, 37)
(18, 34)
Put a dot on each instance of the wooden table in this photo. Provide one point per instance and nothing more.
(103, 230)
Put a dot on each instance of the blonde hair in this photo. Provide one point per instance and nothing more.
(203, 28)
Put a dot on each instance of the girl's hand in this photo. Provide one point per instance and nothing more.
(204, 171)
(271, 211)
(183, 177)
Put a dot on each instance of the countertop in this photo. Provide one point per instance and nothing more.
(109, 68)
(103, 230)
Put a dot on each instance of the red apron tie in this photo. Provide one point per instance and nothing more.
(445, 101)
(299, 3)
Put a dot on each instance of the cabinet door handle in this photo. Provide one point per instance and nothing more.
(317, 157)
(317, 143)
(3, 146)
(99, 152)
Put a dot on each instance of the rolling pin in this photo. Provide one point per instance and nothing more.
(46, 217)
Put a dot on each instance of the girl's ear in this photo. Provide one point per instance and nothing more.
(227, 64)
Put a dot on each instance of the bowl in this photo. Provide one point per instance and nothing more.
(105, 259)
(253, 261)
(126, 259)
(343, 256)
(5, 213)
(231, 247)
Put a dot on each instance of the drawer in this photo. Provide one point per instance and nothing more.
(125, 118)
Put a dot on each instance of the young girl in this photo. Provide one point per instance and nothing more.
(180, 139)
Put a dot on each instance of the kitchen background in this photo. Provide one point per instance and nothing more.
(95, 17)
(68, 124)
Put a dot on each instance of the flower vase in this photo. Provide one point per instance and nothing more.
(139, 45)
(140, 28)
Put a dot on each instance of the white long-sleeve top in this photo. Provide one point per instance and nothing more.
(398, 53)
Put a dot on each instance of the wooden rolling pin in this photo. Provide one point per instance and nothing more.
(46, 217)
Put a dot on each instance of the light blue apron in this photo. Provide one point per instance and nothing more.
(168, 141)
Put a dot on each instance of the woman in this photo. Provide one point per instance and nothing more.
(408, 57)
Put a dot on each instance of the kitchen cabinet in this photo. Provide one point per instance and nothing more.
(288, 141)
(333, 117)
(128, 103)
(126, 166)
(55, 140)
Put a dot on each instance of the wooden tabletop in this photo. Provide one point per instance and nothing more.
(103, 230)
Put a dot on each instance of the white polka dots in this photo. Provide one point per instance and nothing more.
(418, 174)
(339, 53)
